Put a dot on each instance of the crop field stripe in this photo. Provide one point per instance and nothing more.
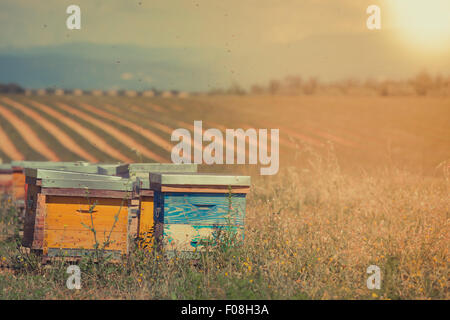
(300, 136)
(93, 138)
(19, 142)
(162, 127)
(283, 142)
(113, 116)
(119, 135)
(223, 145)
(136, 128)
(8, 147)
(123, 151)
(56, 146)
(141, 110)
(283, 131)
(56, 132)
(155, 107)
(81, 140)
(29, 135)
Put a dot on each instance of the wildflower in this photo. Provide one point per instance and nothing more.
(251, 281)
(226, 274)
(374, 295)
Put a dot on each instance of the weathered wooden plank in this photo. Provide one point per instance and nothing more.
(31, 224)
(18, 185)
(48, 164)
(61, 174)
(70, 213)
(65, 217)
(6, 182)
(133, 169)
(6, 168)
(202, 189)
(182, 237)
(203, 209)
(146, 193)
(117, 185)
(91, 193)
(83, 240)
(198, 179)
(146, 221)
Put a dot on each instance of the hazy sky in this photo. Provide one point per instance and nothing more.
(206, 22)
(178, 22)
(419, 27)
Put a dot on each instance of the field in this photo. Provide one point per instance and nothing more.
(363, 181)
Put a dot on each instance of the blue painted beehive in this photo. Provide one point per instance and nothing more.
(193, 211)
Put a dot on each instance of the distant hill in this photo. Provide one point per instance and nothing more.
(101, 66)
(88, 66)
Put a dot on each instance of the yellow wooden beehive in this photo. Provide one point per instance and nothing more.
(73, 214)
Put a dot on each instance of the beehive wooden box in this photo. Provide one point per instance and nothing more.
(19, 184)
(6, 178)
(194, 209)
(58, 216)
(143, 203)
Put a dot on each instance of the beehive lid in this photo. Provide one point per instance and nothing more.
(198, 179)
(78, 180)
(143, 169)
(5, 168)
(71, 166)
(64, 174)
(115, 185)
(102, 168)
(48, 164)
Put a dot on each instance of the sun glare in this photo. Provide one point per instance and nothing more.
(425, 24)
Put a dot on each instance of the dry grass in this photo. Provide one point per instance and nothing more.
(311, 232)
(313, 229)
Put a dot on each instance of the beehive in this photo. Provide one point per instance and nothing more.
(6, 178)
(192, 210)
(142, 205)
(62, 206)
(19, 185)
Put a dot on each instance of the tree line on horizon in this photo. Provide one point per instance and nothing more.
(421, 84)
